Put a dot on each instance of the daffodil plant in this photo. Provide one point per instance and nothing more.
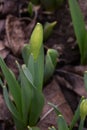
(24, 97)
(80, 113)
(79, 27)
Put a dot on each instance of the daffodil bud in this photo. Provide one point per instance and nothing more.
(83, 109)
(36, 40)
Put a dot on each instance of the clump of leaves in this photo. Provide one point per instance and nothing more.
(26, 100)
(24, 97)
(80, 113)
(80, 30)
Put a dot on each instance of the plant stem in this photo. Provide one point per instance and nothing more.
(81, 124)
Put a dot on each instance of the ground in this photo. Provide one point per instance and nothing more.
(66, 86)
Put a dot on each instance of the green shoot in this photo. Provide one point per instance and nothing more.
(79, 27)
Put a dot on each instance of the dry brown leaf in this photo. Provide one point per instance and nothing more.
(11, 63)
(3, 50)
(15, 34)
(8, 6)
(4, 113)
(79, 70)
(54, 95)
(72, 81)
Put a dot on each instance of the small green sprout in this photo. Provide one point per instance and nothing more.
(36, 40)
(80, 30)
(30, 9)
(48, 29)
(50, 63)
(81, 111)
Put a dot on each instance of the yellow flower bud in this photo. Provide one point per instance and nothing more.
(83, 109)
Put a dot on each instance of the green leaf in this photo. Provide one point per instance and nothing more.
(31, 66)
(12, 108)
(84, 56)
(61, 123)
(79, 27)
(48, 28)
(16, 115)
(27, 93)
(81, 125)
(76, 115)
(12, 84)
(50, 63)
(36, 40)
(28, 74)
(30, 9)
(85, 79)
(53, 55)
(37, 69)
(36, 107)
(26, 53)
(55, 108)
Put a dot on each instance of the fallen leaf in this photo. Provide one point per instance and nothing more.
(15, 34)
(11, 63)
(71, 81)
(3, 50)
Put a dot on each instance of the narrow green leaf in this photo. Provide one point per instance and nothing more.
(50, 63)
(49, 69)
(26, 90)
(84, 56)
(30, 9)
(79, 25)
(85, 79)
(36, 40)
(81, 125)
(27, 74)
(36, 107)
(76, 115)
(10, 105)
(62, 125)
(53, 55)
(12, 84)
(55, 108)
(31, 66)
(37, 69)
(19, 125)
(48, 28)
(26, 53)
